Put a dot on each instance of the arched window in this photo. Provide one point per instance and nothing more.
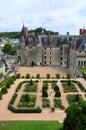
(78, 63)
(84, 63)
(81, 63)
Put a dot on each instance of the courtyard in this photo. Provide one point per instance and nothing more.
(46, 114)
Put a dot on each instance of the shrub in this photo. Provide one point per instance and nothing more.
(69, 82)
(1, 74)
(38, 76)
(68, 76)
(57, 94)
(56, 88)
(48, 76)
(22, 76)
(27, 76)
(0, 95)
(31, 82)
(45, 86)
(52, 109)
(4, 90)
(31, 110)
(44, 93)
(57, 76)
(18, 75)
(58, 103)
(45, 102)
(19, 86)
(8, 84)
(30, 88)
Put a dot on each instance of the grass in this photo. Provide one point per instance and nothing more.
(83, 70)
(30, 125)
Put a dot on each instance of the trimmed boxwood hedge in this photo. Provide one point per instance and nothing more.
(17, 110)
(79, 85)
(20, 110)
(50, 81)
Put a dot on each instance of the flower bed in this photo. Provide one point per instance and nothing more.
(45, 102)
(27, 100)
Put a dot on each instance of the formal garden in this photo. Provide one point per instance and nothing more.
(49, 93)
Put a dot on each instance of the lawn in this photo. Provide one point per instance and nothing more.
(83, 70)
(30, 125)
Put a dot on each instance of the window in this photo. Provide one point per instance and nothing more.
(44, 57)
(50, 57)
(50, 62)
(60, 63)
(50, 52)
(84, 63)
(78, 63)
(81, 63)
(45, 53)
(61, 48)
(45, 48)
(61, 58)
(45, 62)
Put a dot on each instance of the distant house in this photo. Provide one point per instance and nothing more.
(11, 60)
(2, 68)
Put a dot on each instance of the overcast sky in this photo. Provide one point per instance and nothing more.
(56, 15)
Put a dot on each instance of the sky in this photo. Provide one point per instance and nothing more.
(56, 15)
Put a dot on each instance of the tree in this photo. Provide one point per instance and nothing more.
(57, 76)
(48, 76)
(9, 49)
(31, 82)
(76, 117)
(68, 76)
(0, 95)
(4, 90)
(38, 76)
(26, 98)
(27, 76)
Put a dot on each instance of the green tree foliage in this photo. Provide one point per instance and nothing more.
(57, 76)
(38, 76)
(48, 76)
(27, 76)
(4, 90)
(31, 82)
(0, 95)
(9, 49)
(68, 76)
(69, 82)
(10, 34)
(76, 117)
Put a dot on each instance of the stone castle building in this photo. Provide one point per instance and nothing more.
(53, 50)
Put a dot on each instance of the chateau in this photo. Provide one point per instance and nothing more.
(53, 50)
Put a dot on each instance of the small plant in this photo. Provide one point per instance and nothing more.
(68, 76)
(4, 90)
(38, 76)
(0, 95)
(31, 82)
(57, 76)
(57, 94)
(52, 109)
(44, 93)
(69, 82)
(27, 76)
(22, 76)
(18, 75)
(48, 76)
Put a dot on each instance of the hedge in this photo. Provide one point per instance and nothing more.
(20, 110)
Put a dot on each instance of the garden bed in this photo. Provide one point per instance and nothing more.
(69, 86)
